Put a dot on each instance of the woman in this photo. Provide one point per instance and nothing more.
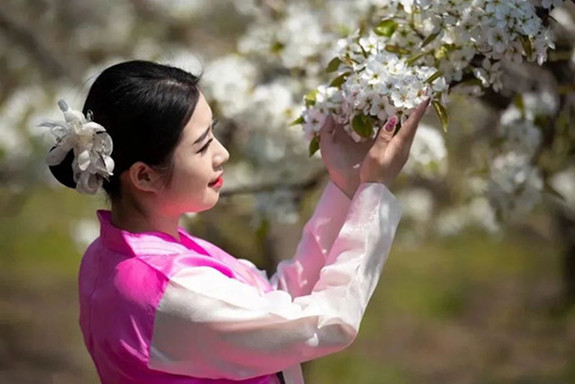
(158, 305)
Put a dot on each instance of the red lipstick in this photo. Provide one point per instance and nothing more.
(217, 183)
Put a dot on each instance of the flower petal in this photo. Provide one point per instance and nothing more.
(91, 144)
(56, 156)
(107, 143)
(83, 160)
(60, 131)
(73, 116)
(88, 183)
(94, 127)
(109, 164)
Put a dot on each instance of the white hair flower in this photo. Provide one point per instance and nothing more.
(91, 144)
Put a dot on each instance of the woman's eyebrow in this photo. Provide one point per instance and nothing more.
(203, 135)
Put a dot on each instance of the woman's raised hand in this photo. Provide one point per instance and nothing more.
(389, 153)
(342, 156)
(379, 160)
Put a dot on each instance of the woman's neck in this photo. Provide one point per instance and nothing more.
(131, 217)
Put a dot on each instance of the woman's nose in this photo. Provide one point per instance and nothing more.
(223, 154)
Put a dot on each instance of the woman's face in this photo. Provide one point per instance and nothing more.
(197, 166)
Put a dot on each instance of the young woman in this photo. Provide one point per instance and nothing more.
(158, 305)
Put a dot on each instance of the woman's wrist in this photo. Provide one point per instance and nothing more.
(385, 182)
(347, 187)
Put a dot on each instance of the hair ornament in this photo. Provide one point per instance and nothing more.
(91, 146)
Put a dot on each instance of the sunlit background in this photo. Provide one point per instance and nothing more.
(469, 295)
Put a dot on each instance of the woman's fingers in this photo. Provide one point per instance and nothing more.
(407, 131)
(384, 135)
(327, 127)
(389, 153)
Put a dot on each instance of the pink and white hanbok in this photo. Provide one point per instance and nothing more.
(154, 310)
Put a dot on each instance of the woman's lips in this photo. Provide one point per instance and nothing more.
(217, 183)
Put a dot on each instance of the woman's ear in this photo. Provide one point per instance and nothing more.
(144, 178)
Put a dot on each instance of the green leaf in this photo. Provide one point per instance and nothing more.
(334, 65)
(313, 145)
(338, 81)
(348, 61)
(310, 98)
(433, 77)
(413, 59)
(386, 28)
(297, 121)
(363, 51)
(441, 113)
(277, 47)
(430, 38)
(363, 125)
(396, 49)
(473, 82)
(527, 46)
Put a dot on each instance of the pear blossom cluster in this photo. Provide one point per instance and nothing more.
(428, 155)
(381, 85)
(381, 56)
(515, 182)
(414, 45)
(403, 52)
(297, 40)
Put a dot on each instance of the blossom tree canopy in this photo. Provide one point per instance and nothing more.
(365, 61)
(362, 61)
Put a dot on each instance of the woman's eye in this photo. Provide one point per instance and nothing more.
(205, 147)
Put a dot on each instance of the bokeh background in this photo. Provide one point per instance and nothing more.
(463, 298)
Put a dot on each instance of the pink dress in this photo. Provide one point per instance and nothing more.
(157, 311)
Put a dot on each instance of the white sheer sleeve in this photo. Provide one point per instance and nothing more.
(299, 275)
(208, 325)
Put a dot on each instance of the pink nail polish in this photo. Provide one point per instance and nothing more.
(391, 123)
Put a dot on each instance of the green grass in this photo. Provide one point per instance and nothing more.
(466, 309)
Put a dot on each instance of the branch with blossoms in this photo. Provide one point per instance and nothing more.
(400, 49)
(387, 67)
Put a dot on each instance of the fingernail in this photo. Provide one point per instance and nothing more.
(391, 123)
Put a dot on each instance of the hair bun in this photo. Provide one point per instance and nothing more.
(63, 172)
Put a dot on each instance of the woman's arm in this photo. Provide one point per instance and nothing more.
(208, 325)
(345, 160)
(299, 275)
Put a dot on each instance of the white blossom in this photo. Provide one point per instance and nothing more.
(515, 185)
(14, 118)
(295, 39)
(230, 80)
(417, 204)
(83, 232)
(428, 156)
(278, 206)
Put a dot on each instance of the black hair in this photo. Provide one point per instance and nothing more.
(144, 107)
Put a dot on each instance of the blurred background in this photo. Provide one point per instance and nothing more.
(467, 296)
